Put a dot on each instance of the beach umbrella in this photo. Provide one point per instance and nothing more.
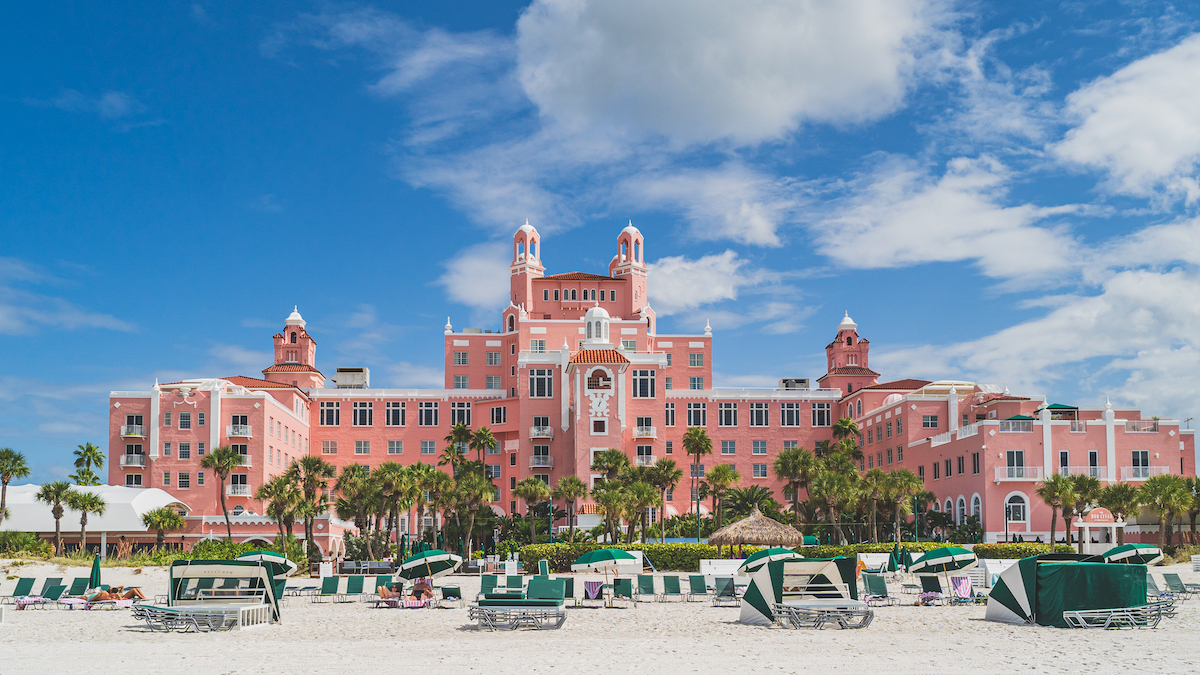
(281, 566)
(432, 563)
(945, 560)
(906, 558)
(1012, 598)
(601, 560)
(757, 560)
(1134, 554)
(94, 579)
(894, 557)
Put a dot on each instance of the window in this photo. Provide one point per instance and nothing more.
(870, 436)
(1141, 464)
(199, 449)
(556, 295)
(669, 496)
(974, 462)
(789, 414)
(948, 468)
(362, 447)
(760, 471)
(492, 471)
(821, 415)
(599, 427)
(183, 480)
(629, 345)
(460, 382)
(643, 384)
(166, 419)
(899, 453)
(1015, 509)
(200, 418)
(921, 473)
(135, 480)
(727, 414)
(394, 413)
(937, 468)
(670, 447)
(889, 429)
(331, 414)
(899, 426)
(185, 451)
(668, 359)
(541, 383)
(870, 462)
(670, 415)
(427, 414)
(961, 463)
(166, 478)
(697, 414)
(1064, 459)
(493, 358)
(460, 358)
(791, 445)
(889, 456)
(758, 414)
(929, 421)
(166, 449)
(199, 479)
(697, 471)
(546, 294)
(364, 413)
(500, 415)
(667, 383)
(879, 458)
(696, 383)
(428, 447)
(858, 403)
(185, 420)
(728, 448)
(328, 447)
(574, 294)
(460, 412)
(696, 360)
(537, 346)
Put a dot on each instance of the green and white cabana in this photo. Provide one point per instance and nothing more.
(784, 580)
(757, 560)
(223, 583)
(1134, 554)
(1039, 589)
(432, 563)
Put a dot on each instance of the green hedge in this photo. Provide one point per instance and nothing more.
(664, 557)
(1004, 551)
(852, 550)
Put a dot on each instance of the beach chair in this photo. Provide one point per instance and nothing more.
(569, 590)
(329, 589)
(52, 581)
(593, 591)
(697, 588)
(1143, 616)
(964, 592)
(78, 586)
(24, 585)
(671, 589)
(452, 594)
(514, 582)
(384, 580)
(646, 587)
(50, 597)
(487, 585)
(623, 590)
(354, 587)
(1175, 585)
(544, 568)
(876, 591)
(931, 591)
(542, 609)
(725, 593)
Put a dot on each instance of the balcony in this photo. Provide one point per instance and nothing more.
(1141, 426)
(246, 460)
(968, 431)
(237, 490)
(644, 460)
(1097, 472)
(1031, 473)
(1078, 427)
(541, 432)
(133, 460)
(941, 439)
(1016, 426)
(135, 430)
(541, 461)
(238, 431)
(1142, 472)
(645, 432)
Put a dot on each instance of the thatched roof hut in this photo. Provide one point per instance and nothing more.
(758, 530)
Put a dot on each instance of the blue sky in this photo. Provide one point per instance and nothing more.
(1002, 192)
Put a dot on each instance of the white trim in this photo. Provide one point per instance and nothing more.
(1028, 506)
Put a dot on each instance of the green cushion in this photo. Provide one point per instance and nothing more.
(514, 595)
(526, 602)
(542, 588)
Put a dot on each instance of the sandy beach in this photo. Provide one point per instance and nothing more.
(653, 638)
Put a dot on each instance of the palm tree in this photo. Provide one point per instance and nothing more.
(162, 520)
(794, 466)
(84, 477)
(1121, 499)
(532, 491)
(610, 462)
(1087, 490)
(640, 498)
(481, 441)
(874, 483)
(902, 485)
(1056, 491)
(55, 494)
(453, 456)
(395, 491)
(12, 465)
(845, 428)
(282, 495)
(742, 501)
(457, 442)
(570, 489)
(440, 488)
(1193, 486)
(696, 443)
(835, 482)
(1166, 495)
(313, 474)
(88, 456)
(223, 460)
(474, 490)
(665, 475)
(421, 473)
(610, 501)
(720, 479)
(85, 503)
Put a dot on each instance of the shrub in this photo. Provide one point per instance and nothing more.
(217, 549)
(1006, 550)
(26, 543)
(680, 557)
(852, 550)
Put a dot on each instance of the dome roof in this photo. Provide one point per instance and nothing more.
(847, 323)
(527, 227)
(631, 229)
(596, 312)
(294, 319)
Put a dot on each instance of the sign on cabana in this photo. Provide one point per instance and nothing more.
(1099, 515)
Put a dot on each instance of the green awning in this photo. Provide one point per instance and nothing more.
(1134, 554)
(1020, 417)
(1061, 406)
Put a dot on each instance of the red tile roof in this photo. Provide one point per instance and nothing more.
(905, 384)
(591, 356)
(291, 368)
(580, 276)
(255, 383)
(851, 370)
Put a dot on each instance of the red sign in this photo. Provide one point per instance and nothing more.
(1099, 515)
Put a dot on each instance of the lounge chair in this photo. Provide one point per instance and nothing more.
(1143, 616)
(487, 585)
(623, 590)
(726, 593)
(51, 596)
(876, 591)
(78, 586)
(593, 591)
(1175, 585)
(514, 582)
(329, 589)
(52, 581)
(569, 590)
(1155, 594)
(931, 591)
(818, 613)
(964, 592)
(671, 589)
(697, 588)
(544, 568)
(542, 609)
(452, 594)
(24, 585)
(384, 580)
(354, 586)
(646, 587)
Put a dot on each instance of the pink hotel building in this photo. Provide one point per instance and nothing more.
(579, 366)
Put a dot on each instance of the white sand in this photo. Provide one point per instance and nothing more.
(654, 638)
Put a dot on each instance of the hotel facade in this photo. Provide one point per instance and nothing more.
(578, 366)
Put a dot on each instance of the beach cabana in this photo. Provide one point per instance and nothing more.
(1134, 554)
(216, 585)
(791, 581)
(1039, 589)
(760, 558)
(758, 530)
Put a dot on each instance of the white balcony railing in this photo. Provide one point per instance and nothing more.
(237, 490)
(1016, 426)
(941, 439)
(541, 461)
(1079, 426)
(645, 432)
(968, 431)
(133, 430)
(1142, 426)
(246, 460)
(645, 460)
(238, 430)
(1142, 472)
(1018, 473)
(541, 432)
(133, 460)
(1097, 472)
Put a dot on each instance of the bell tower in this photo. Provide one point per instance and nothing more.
(630, 263)
(846, 359)
(295, 355)
(526, 265)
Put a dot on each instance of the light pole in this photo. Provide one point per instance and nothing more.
(1007, 515)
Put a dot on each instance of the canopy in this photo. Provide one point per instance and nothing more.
(432, 563)
(1039, 589)
(601, 560)
(757, 560)
(283, 566)
(245, 575)
(94, 580)
(784, 580)
(1020, 417)
(945, 559)
(756, 529)
(1134, 554)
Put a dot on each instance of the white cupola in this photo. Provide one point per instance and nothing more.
(595, 328)
(847, 323)
(294, 319)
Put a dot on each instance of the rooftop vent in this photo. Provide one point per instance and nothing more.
(793, 383)
(352, 378)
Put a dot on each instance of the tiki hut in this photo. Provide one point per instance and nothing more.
(758, 530)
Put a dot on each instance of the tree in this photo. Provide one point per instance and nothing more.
(610, 462)
(874, 483)
(283, 496)
(720, 479)
(665, 475)
(902, 485)
(610, 501)
(696, 444)
(313, 474)
(845, 428)
(474, 490)
(55, 494)
(1193, 486)
(740, 502)
(356, 486)
(397, 492)
(569, 490)
(162, 520)
(421, 474)
(222, 461)
(1121, 499)
(441, 491)
(1167, 495)
(84, 477)
(87, 456)
(453, 455)
(85, 503)
(835, 482)
(1056, 491)
(481, 441)
(532, 491)
(12, 466)
(794, 467)
(1087, 490)
(640, 497)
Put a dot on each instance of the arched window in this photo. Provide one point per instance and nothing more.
(962, 510)
(937, 507)
(976, 507)
(533, 249)
(949, 506)
(512, 324)
(858, 407)
(847, 342)
(293, 337)
(237, 510)
(637, 250)
(589, 330)
(1015, 507)
(649, 328)
(573, 294)
(520, 249)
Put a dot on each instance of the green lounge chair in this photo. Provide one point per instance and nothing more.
(931, 590)
(382, 580)
(52, 581)
(452, 594)
(354, 586)
(646, 586)
(544, 568)
(697, 588)
(78, 586)
(487, 585)
(1175, 585)
(329, 589)
(514, 582)
(726, 593)
(51, 595)
(542, 593)
(876, 590)
(569, 590)
(542, 609)
(24, 586)
(671, 589)
(623, 590)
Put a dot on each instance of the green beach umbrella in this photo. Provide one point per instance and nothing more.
(281, 566)
(601, 560)
(432, 563)
(945, 559)
(757, 560)
(94, 579)
(906, 558)
(1134, 554)
(1013, 597)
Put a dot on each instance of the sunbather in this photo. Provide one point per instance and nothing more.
(115, 593)
(389, 592)
(422, 591)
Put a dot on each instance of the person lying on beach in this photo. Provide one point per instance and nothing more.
(422, 591)
(115, 593)
(389, 592)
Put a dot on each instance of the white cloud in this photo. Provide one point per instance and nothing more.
(702, 72)
(416, 376)
(682, 284)
(1139, 124)
(478, 277)
(109, 105)
(24, 312)
(239, 359)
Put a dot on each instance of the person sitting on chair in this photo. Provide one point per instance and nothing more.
(422, 591)
(389, 592)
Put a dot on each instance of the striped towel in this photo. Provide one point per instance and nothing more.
(592, 590)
